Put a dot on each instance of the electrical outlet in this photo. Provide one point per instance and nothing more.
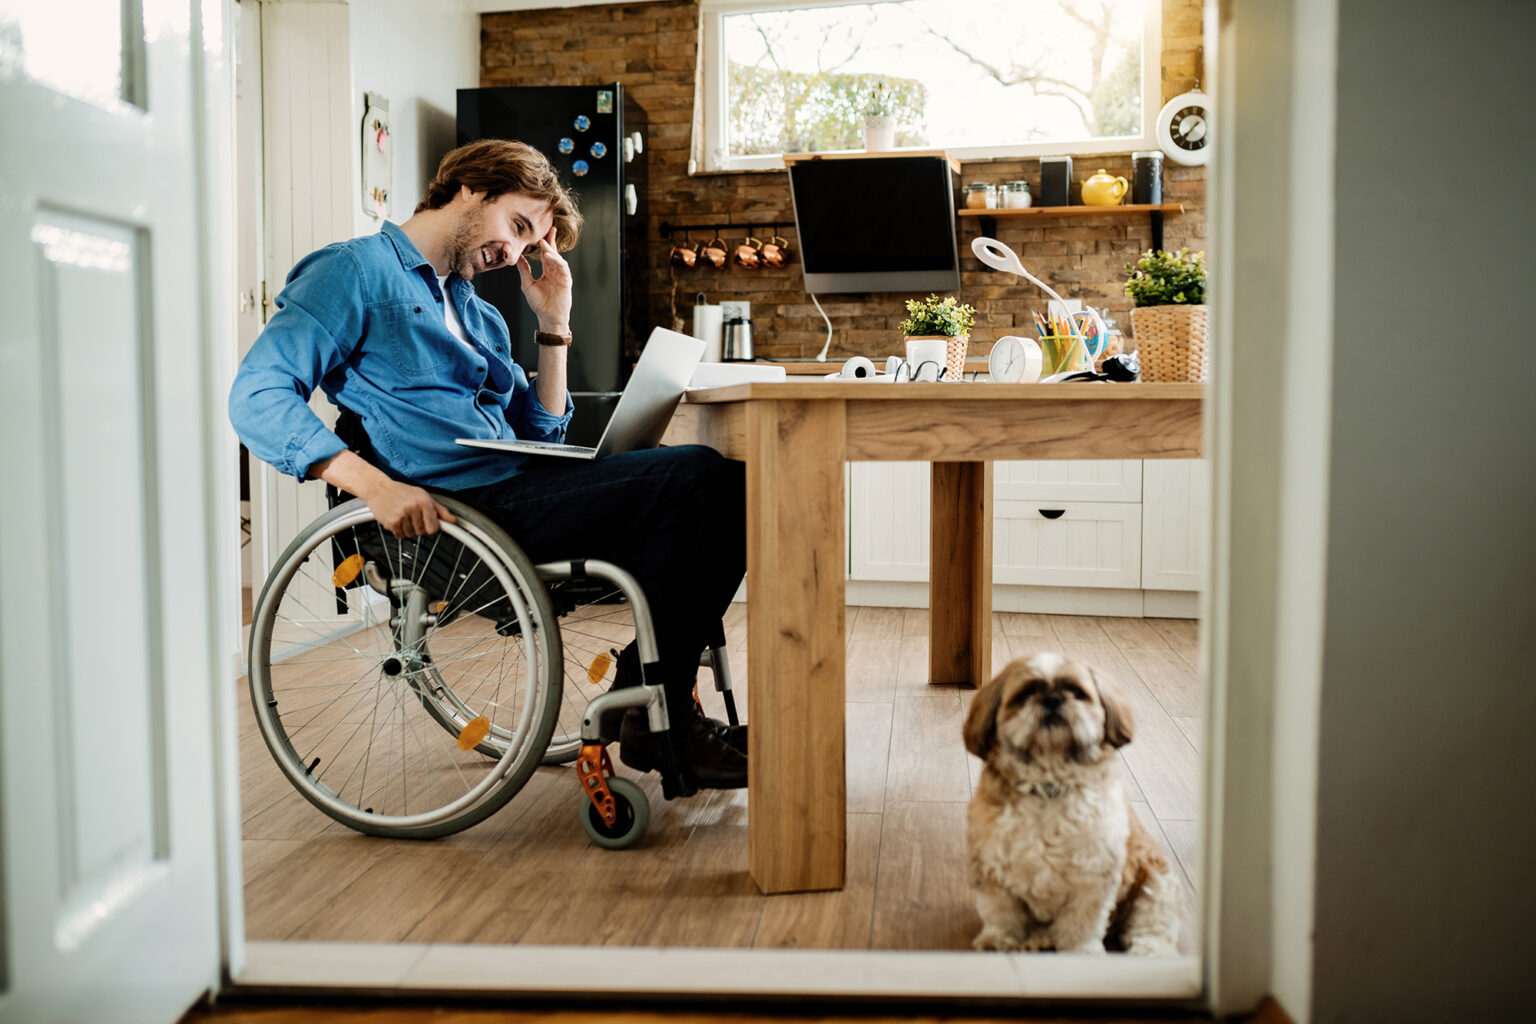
(732, 310)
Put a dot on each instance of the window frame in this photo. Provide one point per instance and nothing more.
(716, 159)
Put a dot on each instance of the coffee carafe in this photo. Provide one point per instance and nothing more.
(736, 340)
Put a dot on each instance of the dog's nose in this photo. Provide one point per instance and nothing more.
(1051, 702)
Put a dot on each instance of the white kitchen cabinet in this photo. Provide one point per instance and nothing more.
(1048, 528)
(1063, 532)
(1176, 507)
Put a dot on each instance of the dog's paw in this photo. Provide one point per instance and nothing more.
(996, 939)
(1091, 947)
(1153, 947)
(1038, 942)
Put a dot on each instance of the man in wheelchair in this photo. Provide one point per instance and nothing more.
(389, 327)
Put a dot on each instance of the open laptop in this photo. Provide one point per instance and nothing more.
(644, 410)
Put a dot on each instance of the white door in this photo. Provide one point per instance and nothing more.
(111, 551)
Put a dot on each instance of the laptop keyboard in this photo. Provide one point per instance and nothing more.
(551, 446)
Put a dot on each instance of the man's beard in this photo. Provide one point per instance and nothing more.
(461, 248)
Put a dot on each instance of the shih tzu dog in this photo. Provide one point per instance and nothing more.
(1057, 857)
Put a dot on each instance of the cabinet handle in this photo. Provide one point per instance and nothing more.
(1052, 513)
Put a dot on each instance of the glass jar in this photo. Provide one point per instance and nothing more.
(1016, 195)
(981, 195)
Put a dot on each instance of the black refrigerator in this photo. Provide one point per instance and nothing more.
(595, 137)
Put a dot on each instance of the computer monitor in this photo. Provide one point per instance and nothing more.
(876, 224)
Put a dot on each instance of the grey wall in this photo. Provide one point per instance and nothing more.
(1426, 828)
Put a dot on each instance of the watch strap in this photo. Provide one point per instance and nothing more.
(545, 338)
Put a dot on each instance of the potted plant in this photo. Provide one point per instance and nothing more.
(1169, 315)
(879, 120)
(935, 319)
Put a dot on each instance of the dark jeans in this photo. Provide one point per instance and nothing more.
(673, 517)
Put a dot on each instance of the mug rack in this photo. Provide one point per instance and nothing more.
(666, 228)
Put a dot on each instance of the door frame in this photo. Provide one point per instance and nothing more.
(1245, 611)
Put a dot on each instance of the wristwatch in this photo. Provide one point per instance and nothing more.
(545, 338)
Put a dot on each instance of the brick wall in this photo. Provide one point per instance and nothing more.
(652, 48)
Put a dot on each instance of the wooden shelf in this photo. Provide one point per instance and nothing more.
(1153, 211)
(1076, 211)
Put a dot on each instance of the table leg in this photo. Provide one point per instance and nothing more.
(960, 574)
(796, 588)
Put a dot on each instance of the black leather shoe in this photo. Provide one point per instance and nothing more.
(702, 754)
(734, 735)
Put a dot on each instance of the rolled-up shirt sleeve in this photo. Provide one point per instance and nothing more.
(532, 422)
(319, 320)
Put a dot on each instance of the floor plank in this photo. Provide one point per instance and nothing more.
(922, 899)
(869, 755)
(709, 900)
(928, 758)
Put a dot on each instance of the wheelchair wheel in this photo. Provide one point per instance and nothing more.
(591, 636)
(406, 688)
(634, 817)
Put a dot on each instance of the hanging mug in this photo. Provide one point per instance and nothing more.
(685, 254)
(748, 253)
(715, 252)
(775, 252)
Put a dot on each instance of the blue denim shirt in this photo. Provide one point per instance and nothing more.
(363, 321)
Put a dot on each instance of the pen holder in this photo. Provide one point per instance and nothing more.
(1064, 353)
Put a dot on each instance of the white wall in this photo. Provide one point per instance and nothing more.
(416, 55)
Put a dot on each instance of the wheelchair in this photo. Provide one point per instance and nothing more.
(410, 688)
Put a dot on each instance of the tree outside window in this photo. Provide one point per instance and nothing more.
(957, 74)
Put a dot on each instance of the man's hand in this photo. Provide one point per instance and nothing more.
(549, 297)
(404, 510)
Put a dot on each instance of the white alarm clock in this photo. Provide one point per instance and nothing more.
(1014, 359)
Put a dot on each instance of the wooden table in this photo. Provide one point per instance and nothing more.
(795, 437)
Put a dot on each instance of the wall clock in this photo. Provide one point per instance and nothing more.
(1184, 128)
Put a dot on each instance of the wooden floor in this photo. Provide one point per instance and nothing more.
(530, 875)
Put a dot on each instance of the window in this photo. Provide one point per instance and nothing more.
(978, 78)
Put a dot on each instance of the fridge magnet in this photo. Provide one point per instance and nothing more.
(605, 101)
(579, 168)
(567, 146)
(599, 150)
(583, 122)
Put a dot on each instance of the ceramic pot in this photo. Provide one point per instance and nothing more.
(879, 133)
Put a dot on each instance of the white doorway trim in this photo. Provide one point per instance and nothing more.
(1252, 616)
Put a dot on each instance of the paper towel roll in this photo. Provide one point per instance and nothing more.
(858, 367)
(707, 321)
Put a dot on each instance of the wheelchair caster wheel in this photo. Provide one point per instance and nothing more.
(634, 816)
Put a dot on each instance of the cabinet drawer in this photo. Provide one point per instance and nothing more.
(1068, 480)
(1067, 544)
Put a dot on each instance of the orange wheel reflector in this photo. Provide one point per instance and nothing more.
(347, 571)
(439, 607)
(473, 733)
(598, 669)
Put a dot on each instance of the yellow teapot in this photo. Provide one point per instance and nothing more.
(1104, 189)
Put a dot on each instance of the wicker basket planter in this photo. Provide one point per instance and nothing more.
(1170, 342)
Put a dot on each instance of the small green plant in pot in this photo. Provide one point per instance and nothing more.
(879, 120)
(935, 319)
(1169, 317)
